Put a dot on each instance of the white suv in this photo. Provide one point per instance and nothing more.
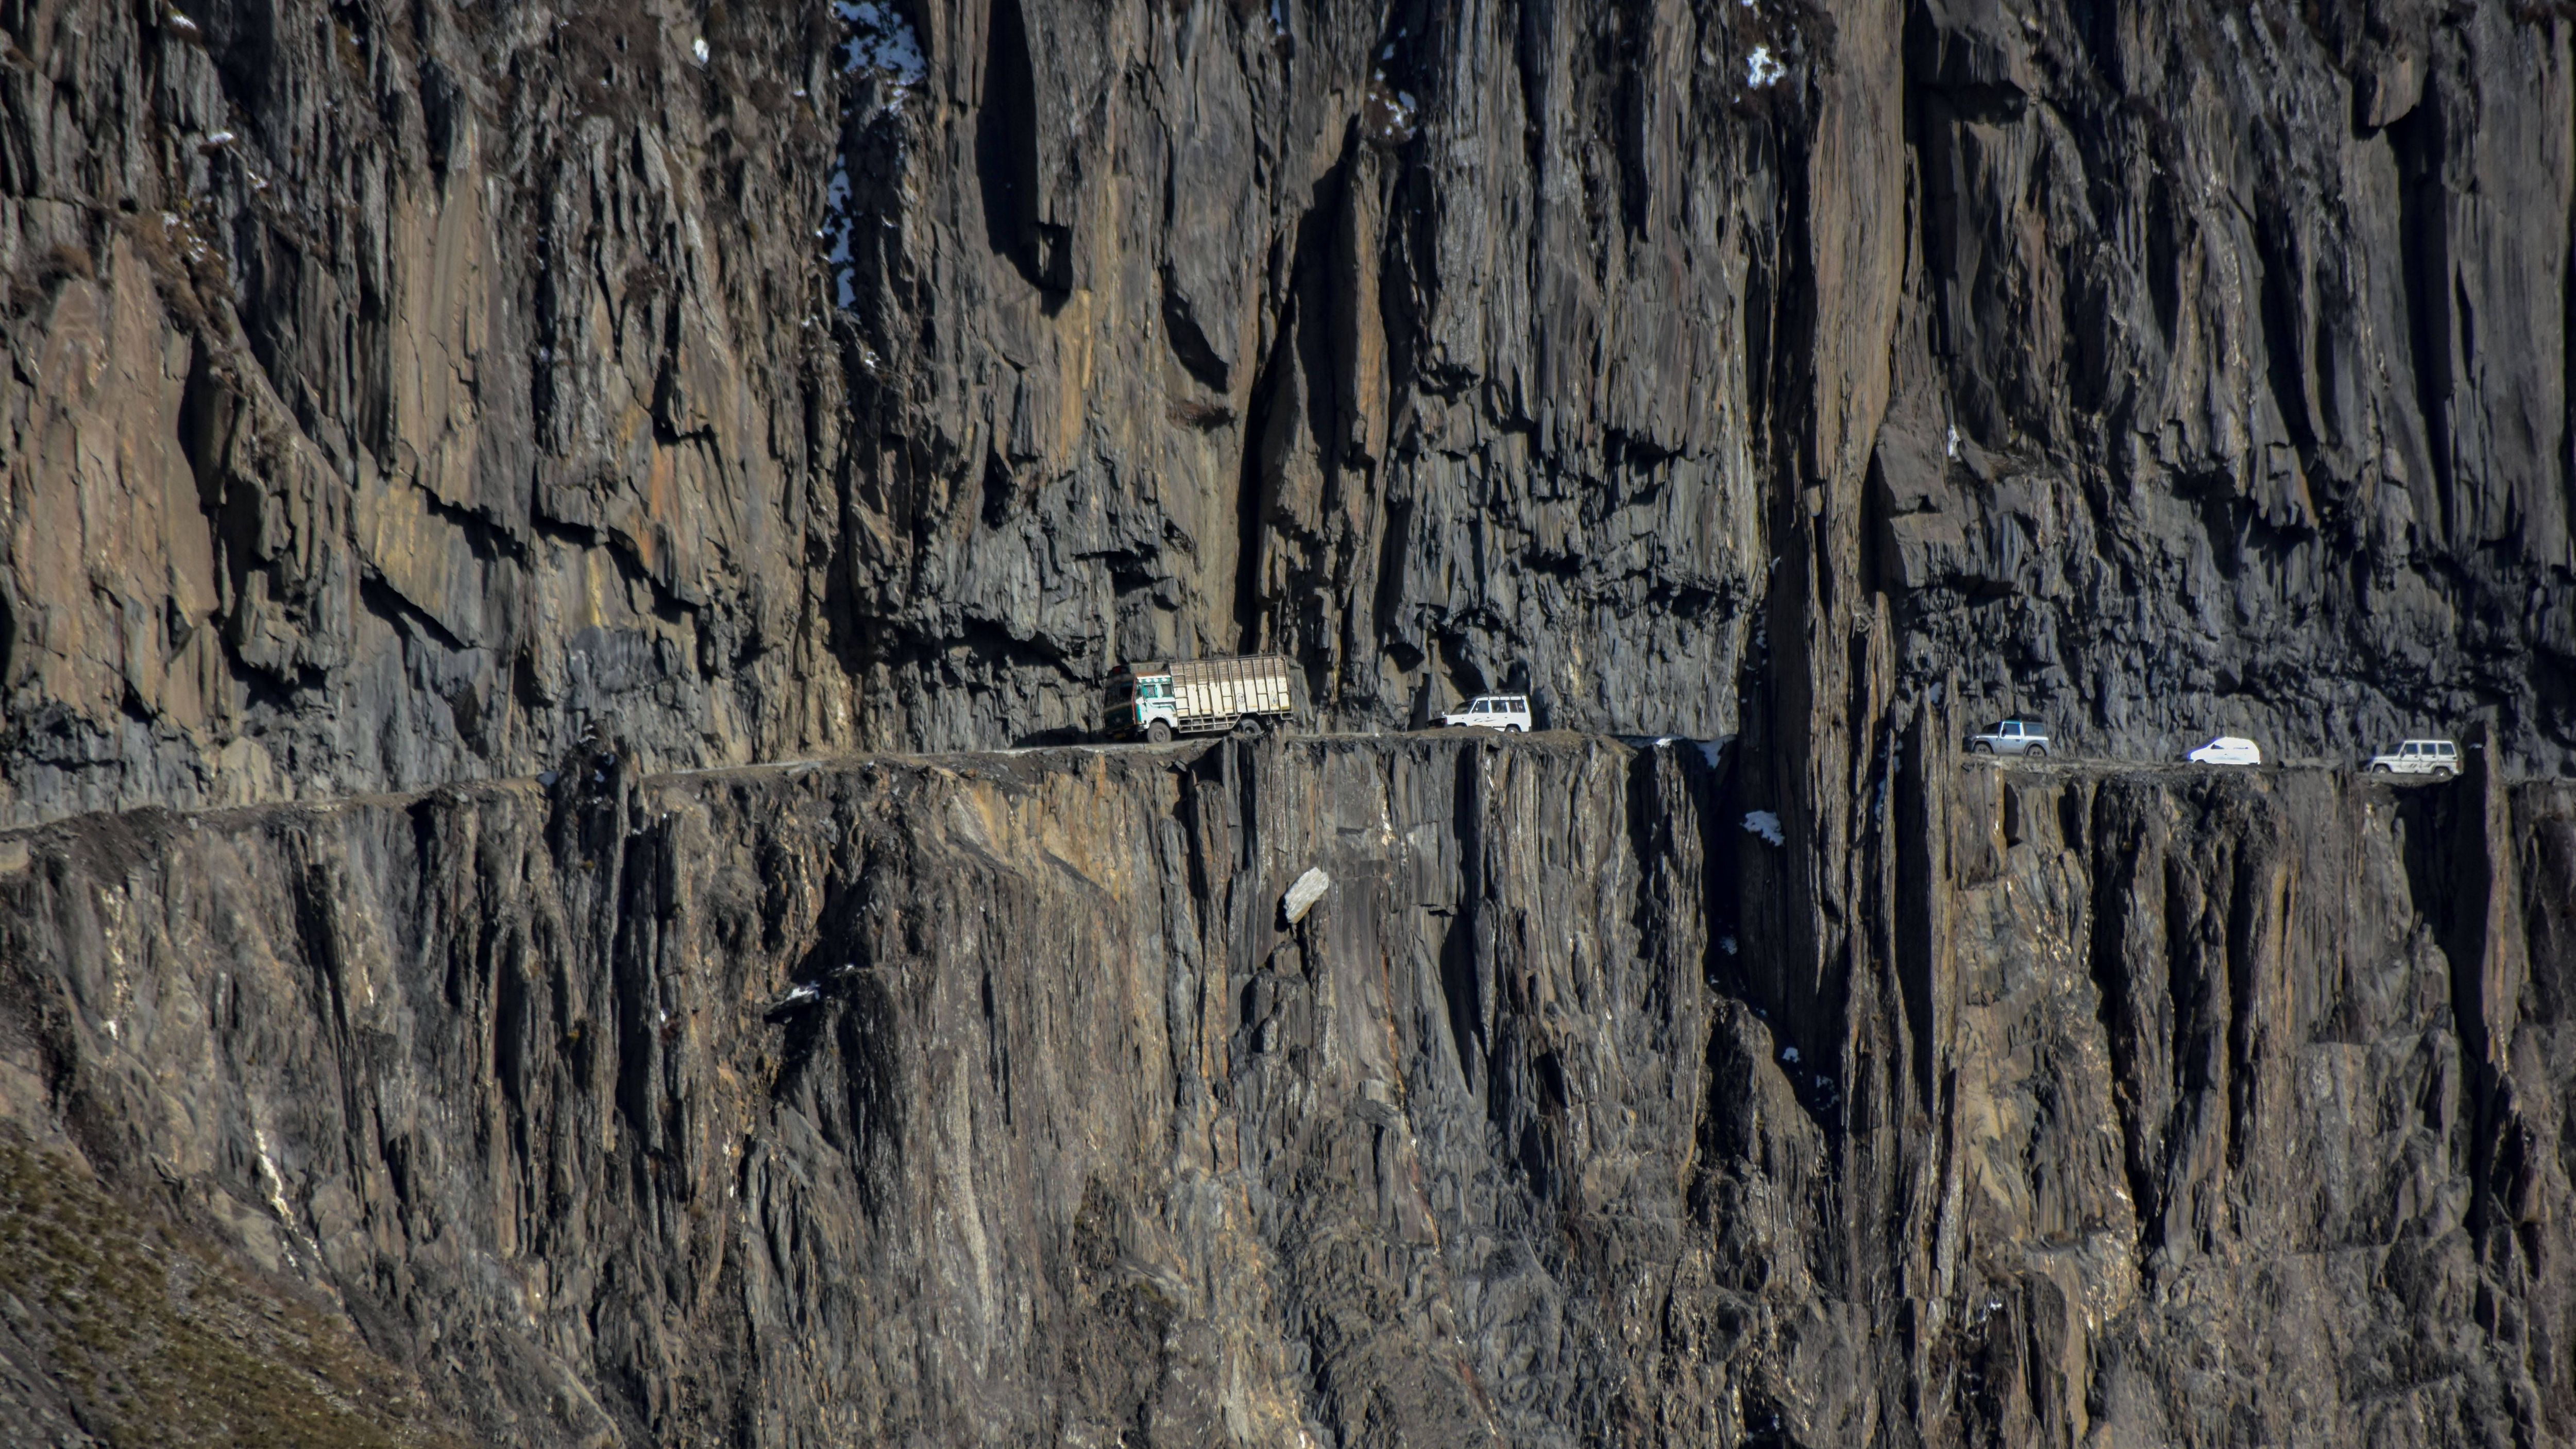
(2419, 757)
(1506, 712)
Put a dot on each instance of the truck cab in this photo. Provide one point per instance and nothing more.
(1137, 701)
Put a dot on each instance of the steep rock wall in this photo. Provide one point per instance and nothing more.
(395, 393)
(2231, 391)
(397, 396)
(993, 1098)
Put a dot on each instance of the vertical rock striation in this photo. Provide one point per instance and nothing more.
(397, 395)
(404, 402)
(2232, 391)
(400, 397)
(993, 1098)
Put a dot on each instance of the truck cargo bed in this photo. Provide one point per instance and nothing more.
(1213, 693)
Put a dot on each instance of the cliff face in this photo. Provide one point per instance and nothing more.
(397, 395)
(993, 1099)
(983, 1099)
(2233, 388)
(418, 399)
(397, 391)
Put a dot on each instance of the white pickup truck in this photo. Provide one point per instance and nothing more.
(2011, 737)
(2419, 757)
(1509, 713)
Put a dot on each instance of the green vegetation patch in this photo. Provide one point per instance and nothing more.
(158, 1338)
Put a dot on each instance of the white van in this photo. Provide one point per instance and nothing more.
(1506, 712)
(2227, 750)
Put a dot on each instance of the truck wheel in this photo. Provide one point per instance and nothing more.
(1160, 732)
(2039, 750)
(1981, 748)
(1512, 729)
(2444, 772)
(2379, 769)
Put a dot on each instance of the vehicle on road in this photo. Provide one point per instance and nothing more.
(2227, 750)
(1160, 699)
(2419, 757)
(1509, 713)
(2011, 737)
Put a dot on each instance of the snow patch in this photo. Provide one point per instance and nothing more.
(1765, 824)
(185, 238)
(1788, 1054)
(881, 47)
(1953, 448)
(698, 48)
(1726, 944)
(881, 44)
(1388, 115)
(1761, 68)
(840, 228)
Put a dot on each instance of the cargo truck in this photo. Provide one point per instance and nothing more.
(1197, 696)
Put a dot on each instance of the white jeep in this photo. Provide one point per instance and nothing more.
(2011, 737)
(1509, 713)
(2419, 757)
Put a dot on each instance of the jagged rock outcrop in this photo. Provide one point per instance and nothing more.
(2232, 390)
(397, 396)
(1425, 344)
(989, 1098)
